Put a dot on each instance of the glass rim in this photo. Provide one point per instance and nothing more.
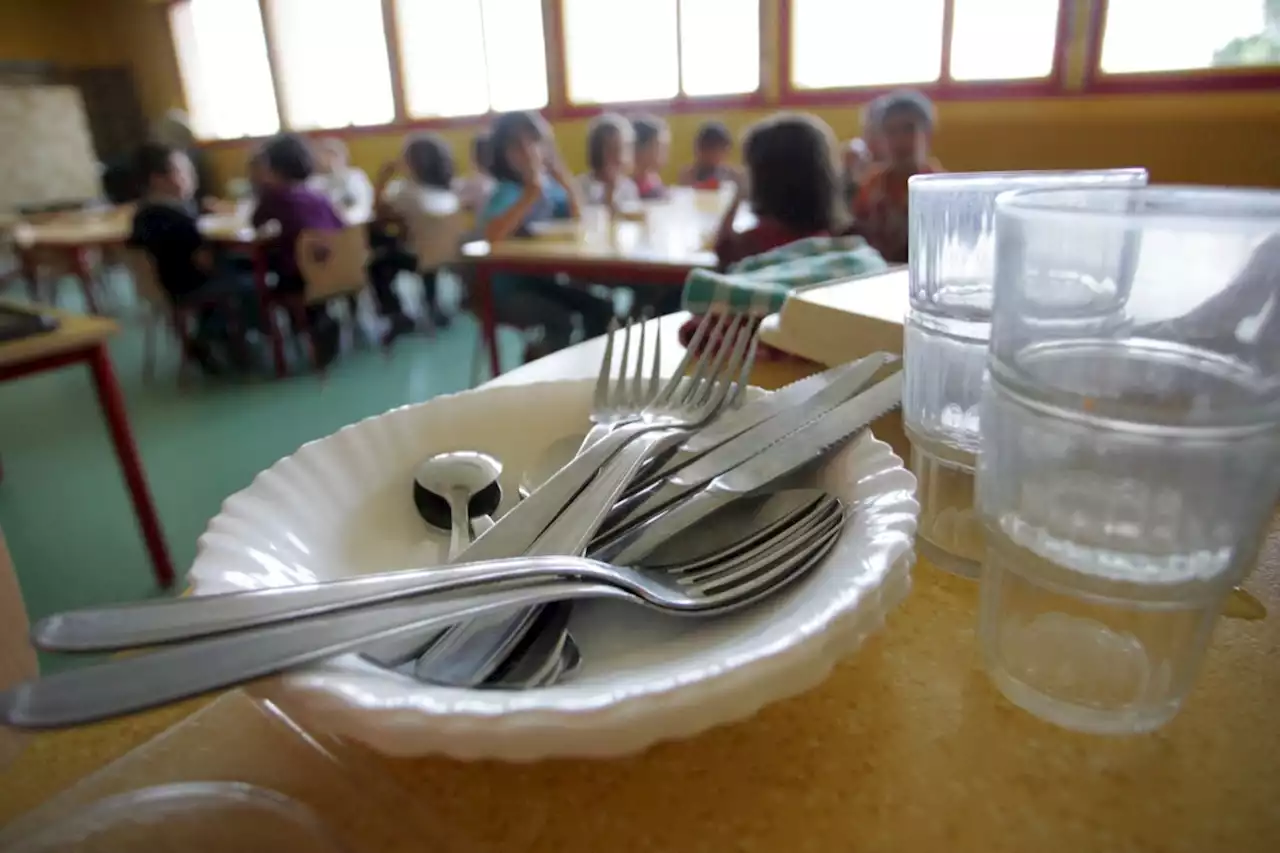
(1197, 207)
(936, 181)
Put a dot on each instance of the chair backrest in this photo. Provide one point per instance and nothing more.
(435, 239)
(142, 269)
(332, 263)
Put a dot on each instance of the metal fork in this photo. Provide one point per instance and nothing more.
(128, 684)
(614, 402)
(466, 655)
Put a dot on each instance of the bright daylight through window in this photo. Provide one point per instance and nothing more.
(1162, 35)
(649, 50)
(901, 43)
(222, 55)
(467, 57)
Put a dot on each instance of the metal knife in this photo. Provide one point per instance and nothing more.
(798, 393)
(792, 452)
(777, 422)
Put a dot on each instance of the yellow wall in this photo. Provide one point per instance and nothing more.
(1224, 138)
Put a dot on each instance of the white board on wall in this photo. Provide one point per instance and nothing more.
(46, 152)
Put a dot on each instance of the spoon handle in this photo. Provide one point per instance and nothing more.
(124, 685)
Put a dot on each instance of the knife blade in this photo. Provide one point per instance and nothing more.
(756, 412)
(790, 453)
(777, 423)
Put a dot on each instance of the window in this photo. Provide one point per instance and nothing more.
(650, 50)
(1225, 33)
(902, 43)
(468, 57)
(222, 55)
(332, 62)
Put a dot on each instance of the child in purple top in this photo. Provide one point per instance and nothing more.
(285, 198)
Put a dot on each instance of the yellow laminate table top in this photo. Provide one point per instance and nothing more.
(79, 229)
(75, 331)
(677, 231)
(905, 747)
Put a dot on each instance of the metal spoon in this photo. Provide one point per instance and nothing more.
(459, 492)
(450, 489)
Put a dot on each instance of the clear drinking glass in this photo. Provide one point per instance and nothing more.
(952, 249)
(1130, 457)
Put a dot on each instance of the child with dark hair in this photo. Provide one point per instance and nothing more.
(166, 227)
(653, 140)
(711, 149)
(473, 189)
(792, 186)
(533, 185)
(610, 152)
(286, 199)
(904, 122)
(424, 193)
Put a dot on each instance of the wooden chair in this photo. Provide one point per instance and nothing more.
(435, 240)
(162, 308)
(332, 264)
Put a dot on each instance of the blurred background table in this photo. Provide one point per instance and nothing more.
(83, 340)
(906, 746)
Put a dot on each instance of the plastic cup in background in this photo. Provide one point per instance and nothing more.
(952, 249)
(1130, 455)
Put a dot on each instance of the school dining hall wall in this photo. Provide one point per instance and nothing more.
(1190, 134)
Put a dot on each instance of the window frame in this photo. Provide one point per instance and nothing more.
(1236, 78)
(945, 88)
(681, 103)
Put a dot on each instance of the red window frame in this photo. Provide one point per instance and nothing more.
(1240, 78)
(944, 88)
(563, 107)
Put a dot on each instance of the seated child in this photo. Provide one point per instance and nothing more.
(653, 140)
(347, 187)
(403, 204)
(905, 123)
(533, 185)
(285, 198)
(711, 148)
(792, 186)
(855, 158)
(165, 225)
(473, 190)
(610, 152)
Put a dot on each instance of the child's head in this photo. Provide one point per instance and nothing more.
(519, 141)
(712, 145)
(652, 141)
(288, 160)
(906, 121)
(791, 172)
(164, 170)
(481, 153)
(429, 161)
(611, 145)
(331, 155)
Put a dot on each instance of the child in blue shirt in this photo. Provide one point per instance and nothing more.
(532, 186)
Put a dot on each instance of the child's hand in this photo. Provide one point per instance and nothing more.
(557, 168)
(388, 171)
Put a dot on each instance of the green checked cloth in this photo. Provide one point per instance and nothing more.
(760, 284)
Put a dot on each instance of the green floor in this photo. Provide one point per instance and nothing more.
(63, 505)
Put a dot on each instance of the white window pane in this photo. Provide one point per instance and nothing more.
(466, 57)
(442, 54)
(981, 46)
(222, 54)
(865, 42)
(719, 46)
(621, 50)
(516, 52)
(332, 62)
(1153, 35)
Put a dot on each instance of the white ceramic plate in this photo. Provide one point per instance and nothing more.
(342, 505)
